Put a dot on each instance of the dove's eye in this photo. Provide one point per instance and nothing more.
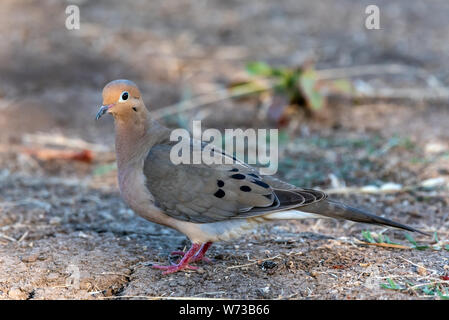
(124, 96)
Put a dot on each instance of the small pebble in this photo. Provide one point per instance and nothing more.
(30, 258)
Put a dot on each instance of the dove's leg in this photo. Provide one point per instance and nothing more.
(199, 256)
(184, 263)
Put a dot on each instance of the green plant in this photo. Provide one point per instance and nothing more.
(428, 289)
(297, 86)
(381, 239)
(391, 285)
(413, 242)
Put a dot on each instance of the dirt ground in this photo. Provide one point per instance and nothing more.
(66, 234)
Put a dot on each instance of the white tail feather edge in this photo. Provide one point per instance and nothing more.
(292, 214)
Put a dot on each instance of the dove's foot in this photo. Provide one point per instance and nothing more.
(195, 253)
(175, 268)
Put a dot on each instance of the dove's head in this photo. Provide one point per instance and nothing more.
(123, 100)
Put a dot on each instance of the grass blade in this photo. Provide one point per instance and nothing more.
(368, 237)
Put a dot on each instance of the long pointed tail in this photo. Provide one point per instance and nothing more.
(334, 209)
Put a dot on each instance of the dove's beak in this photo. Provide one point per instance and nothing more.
(102, 111)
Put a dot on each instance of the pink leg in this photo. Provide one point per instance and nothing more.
(199, 256)
(184, 263)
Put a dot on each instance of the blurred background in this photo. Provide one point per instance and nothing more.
(362, 114)
(308, 67)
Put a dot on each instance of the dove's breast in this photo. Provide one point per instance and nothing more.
(135, 193)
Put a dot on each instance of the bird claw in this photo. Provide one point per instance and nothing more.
(174, 268)
(193, 259)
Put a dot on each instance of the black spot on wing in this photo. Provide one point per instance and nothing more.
(254, 175)
(220, 183)
(234, 170)
(219, 194)
(238, 176)
(245, 188)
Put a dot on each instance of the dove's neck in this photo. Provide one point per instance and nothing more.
(134, 140)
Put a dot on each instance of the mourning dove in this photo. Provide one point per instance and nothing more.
(207, 203)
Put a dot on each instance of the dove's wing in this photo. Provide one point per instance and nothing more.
(203, 193)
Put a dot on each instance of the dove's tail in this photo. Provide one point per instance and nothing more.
(333, 209)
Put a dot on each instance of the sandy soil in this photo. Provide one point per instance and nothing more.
(65, 232)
